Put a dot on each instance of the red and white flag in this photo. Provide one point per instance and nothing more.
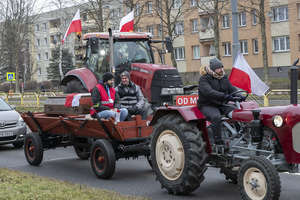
(127, 22)
(243, 76)
(74, 27)
(73, 100)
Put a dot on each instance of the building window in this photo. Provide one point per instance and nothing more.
(150, 29)
(206, 22)
(37, 27)
(45, 26)
(84, 17)
(225, 21)
(244, 46)
(159, 30)
(149, 7)
(139, 29)
(281, 43)
(179, 53)
(46, 40)
(227, 48)
(194, 25)
(38, 42)
(177, 4)
(193, 3)
(39, 56)
(280, 14)
(255, 46)
(179, 28)
(254, 17)
(196, 52)
(137, 10)
(242, 19)
(46, 56)
(298, 10)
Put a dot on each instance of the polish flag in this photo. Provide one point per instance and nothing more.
(72, 100)
(74, 27)
(126, 23)
(243, 76)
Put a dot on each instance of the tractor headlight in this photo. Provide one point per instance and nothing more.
(168, 91)
(277, 121)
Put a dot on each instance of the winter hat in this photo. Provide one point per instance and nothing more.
(125, 73)
(215, 63)
(107, 76)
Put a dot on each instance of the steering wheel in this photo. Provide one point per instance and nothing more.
(239, 91)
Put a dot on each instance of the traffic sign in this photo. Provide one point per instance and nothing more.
(10, 76)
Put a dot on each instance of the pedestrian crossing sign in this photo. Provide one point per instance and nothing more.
(10, 76)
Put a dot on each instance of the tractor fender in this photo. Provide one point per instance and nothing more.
(188, 113)
(84, 75)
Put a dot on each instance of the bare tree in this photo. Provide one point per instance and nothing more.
(214, 9)
(171, 14)
(17, 16)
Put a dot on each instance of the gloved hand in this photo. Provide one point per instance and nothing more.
(232, 98)
(242, 98)
(133, 110)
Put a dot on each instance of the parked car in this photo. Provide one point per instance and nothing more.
(12, 126)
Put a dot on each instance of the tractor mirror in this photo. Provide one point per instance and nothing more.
(169, 45)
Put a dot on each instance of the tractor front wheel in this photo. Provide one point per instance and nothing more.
(103, 159)
(178, 154)
(258, 179)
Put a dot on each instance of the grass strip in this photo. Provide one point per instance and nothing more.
(15, 185)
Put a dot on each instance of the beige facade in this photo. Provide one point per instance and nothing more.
(282, 31)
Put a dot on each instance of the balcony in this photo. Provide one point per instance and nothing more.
(206, 34)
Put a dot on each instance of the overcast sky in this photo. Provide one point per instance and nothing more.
(47, 5)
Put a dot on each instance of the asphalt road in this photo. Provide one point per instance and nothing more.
(132, 177)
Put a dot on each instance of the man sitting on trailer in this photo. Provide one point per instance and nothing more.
(103, 98)
(130, 96)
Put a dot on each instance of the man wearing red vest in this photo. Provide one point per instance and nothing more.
(103, 98)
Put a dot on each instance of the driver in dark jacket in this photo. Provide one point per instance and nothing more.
(214, 89)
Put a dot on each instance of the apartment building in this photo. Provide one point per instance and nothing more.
(194, 44)
(51, 26)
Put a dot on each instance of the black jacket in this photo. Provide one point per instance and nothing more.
(212, 91)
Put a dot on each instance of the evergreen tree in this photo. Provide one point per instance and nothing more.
(67, 64)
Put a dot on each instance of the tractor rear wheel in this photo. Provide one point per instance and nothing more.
(178, 154)
(103, 159)
(74, 86)
(33, 149)
(258, 179)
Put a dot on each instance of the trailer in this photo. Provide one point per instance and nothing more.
(104, 141)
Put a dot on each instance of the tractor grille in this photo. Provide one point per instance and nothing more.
(296, 137)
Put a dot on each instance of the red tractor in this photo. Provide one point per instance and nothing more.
(260, 142)
(132, 52)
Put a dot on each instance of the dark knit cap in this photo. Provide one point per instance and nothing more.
(125, 73)
(107, 76)
(215, 63)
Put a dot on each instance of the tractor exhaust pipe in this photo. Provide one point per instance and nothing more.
(294, 83)
(111, 50)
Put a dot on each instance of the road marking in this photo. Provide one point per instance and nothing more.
(297, 174)
(63, 158)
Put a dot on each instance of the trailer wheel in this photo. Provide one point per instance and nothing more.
(33, 148)
(258, 179)
(103, 159)
(82, 152)
(74, 86)
(178, 154)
